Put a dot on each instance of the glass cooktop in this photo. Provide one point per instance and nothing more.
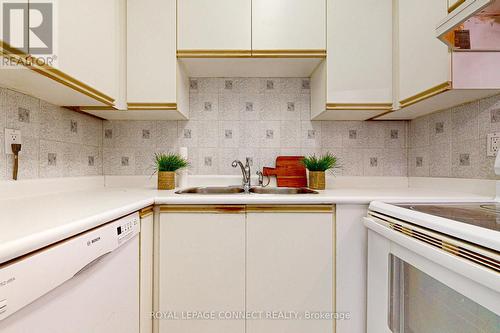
(485, 215)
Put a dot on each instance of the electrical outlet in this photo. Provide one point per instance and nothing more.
(493, 144)
(11, 136)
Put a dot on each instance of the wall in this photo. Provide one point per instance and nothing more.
(452, 143)
(55, 142)
(232, 118)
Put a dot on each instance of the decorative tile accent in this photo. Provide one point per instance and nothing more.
(269, 84)
(193, 84)
(91, 161)
(23, 115)
(228, 84)
(394, 134)
(228, 134)
(125, 161)
(419, 161)
(306, 84)
(373, 162)
(495, 115)
(187, 133)
(52, 159)
(353, 134)
(108, 133)
(74, 126)
(290, 106)
(207, 106)
(311, 134)
(208, 161)
(269, 134)
(146, 134)
(439, 127)
(464, 160)
(249, 106)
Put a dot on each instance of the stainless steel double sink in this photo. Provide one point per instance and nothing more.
(239, 189)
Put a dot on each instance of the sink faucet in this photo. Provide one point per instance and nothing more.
(245, 170)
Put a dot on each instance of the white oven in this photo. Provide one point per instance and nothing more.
(430, 274)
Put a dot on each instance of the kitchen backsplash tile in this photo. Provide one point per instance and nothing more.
(452, 143)
(262, 118)
(56, 142)
(259, 118)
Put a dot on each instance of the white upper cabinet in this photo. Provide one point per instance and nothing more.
(85, 66)
(288, 24)
(151, 51)
(356, 81)
(424, 61)
(214, 25)
(88, 48)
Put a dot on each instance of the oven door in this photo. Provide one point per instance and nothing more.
(414, 287)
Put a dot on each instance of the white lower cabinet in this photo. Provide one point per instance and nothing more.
(201, 267)
(290, 268)
(273, 261)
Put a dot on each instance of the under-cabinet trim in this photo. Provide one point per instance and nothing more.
(214, 53)
(218, 209)
(431, 92)
(52, 73)
(292, 53)
(455, 5)
(319, 53)
(151, 106)
(145, 212)
(359, 106)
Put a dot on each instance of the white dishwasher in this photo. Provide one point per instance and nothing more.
(88, 283)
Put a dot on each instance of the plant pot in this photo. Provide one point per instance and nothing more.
(166, 180)
(317, 180)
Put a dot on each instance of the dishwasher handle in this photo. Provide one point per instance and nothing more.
(92, 263)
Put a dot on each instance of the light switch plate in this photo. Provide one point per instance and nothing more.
(11, 136)
(493, 144)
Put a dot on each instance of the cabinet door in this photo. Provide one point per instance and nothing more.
(151, 60)
(290, 267)
(424, 61)
(202, 267)
(214, 25)
(146, 257)
(87, 42)
(359, 61)
(289, 24)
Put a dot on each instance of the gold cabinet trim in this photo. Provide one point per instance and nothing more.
(436, 90)
(151, 106)
(214, 53)
(290, 208)
(359, 106)
(289, 54)
(145, 212)
(31, 63)
(455, 5)
(251, 54)
(219, 209)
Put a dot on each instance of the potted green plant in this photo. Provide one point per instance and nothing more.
(166, 165)
(317, 167)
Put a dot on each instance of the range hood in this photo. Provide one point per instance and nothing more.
(479, 23)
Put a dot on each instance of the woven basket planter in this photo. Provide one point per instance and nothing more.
(166, 180)
(317, 180)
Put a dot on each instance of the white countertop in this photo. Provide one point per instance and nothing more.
(33, 222)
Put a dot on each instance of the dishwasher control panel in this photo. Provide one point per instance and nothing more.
(127, 227)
